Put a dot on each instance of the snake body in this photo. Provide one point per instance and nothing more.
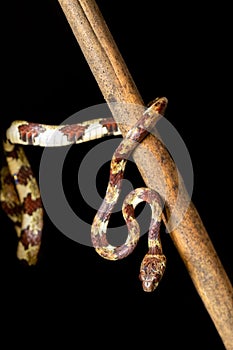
(20, 195)
(153, 264)
(20, 199)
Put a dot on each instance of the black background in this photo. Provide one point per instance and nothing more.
(179, 51)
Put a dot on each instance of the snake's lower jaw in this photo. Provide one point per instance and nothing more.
(150, 283)
(149, 286)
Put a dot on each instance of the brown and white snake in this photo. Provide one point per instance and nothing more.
(20, 195)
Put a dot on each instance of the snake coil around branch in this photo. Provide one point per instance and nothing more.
(20, 195)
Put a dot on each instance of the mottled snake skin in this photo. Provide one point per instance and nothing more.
(20, 195)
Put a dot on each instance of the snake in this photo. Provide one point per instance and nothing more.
(21, 201)
(19, 192)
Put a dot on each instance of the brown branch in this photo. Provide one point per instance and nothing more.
(155, 165)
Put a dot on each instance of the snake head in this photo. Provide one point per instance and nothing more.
(151, 271)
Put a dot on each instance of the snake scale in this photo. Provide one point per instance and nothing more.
(20, 194)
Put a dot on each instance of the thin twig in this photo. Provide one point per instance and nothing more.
(154, 163)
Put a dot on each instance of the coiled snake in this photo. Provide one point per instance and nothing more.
(20, 195)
